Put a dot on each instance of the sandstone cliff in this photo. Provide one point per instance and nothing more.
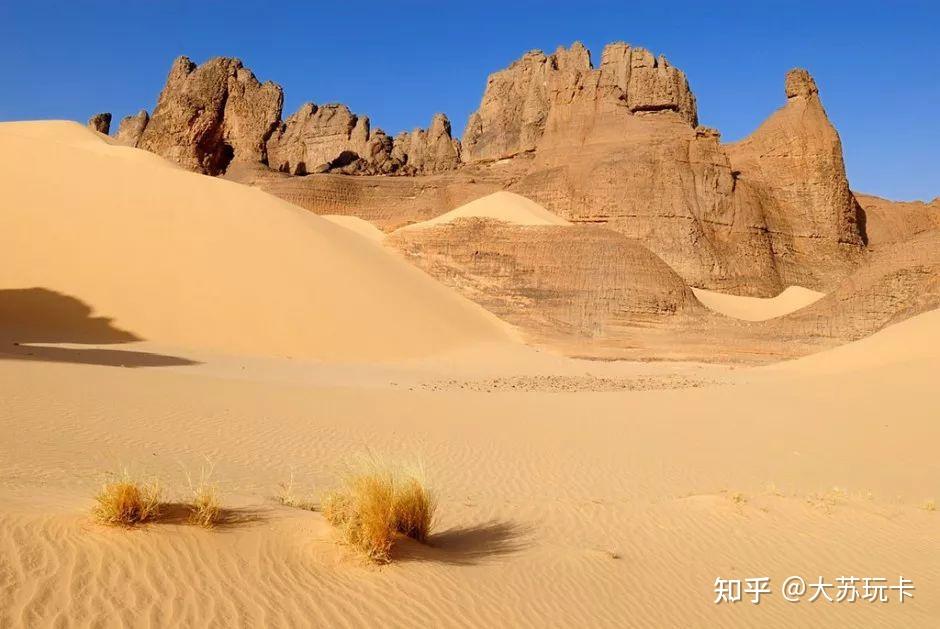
(792, 169)
(519, 100)
(212, 115)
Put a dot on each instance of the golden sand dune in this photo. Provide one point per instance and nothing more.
(912, 340)
(504, 206)
(192, 261)
(757, 308)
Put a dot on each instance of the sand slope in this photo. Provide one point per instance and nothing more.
(757, 308)
(505, 206)
(914, 339)
(192, 261)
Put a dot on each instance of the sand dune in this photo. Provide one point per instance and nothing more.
(192, 261)
(912, 340)
(355, 224)
(505, 206)
(757, 308)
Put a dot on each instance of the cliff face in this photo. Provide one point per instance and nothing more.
(616, 145)
(520, 100)
(212, 115)
(791, 168)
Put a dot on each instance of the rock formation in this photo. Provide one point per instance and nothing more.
(431, 151)
(330, 138)
(100, 123)
(616, 145)
(132, 127)
(212, 115)
(316, 139)
(792, 169)
(519, 100)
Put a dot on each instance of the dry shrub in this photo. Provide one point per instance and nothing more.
(127, 501)
(205, 505)
(376, 502)
(414, 508)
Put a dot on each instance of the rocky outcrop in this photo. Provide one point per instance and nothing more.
(318, 138)
(132, 128)
(330, 138)
(431, 151)
(519, 101)
(100, 123)
(212, 115)
(791, 168)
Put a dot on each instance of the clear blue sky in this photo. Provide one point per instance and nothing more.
(877, 63)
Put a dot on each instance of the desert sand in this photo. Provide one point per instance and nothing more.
(503, 206)
(758, 308)
(171, 317)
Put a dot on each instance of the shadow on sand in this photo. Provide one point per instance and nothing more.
(468, 545)
(40, 315)
(179, 513)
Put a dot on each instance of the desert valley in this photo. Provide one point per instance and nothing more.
(627, 357)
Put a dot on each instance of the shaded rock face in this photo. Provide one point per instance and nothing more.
(519, 101)
(330, 138)
(791, 168)
(212, 115)
(132, 127)
(100, 123)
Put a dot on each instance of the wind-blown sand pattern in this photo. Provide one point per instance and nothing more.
(152, 318)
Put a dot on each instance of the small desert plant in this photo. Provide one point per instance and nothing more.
(205, 507)
(374, 503)
(127, 501)
(930, 505)
(289, 497)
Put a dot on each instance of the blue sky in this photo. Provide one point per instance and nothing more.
(877, 63)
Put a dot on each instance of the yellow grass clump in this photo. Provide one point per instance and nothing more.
(414, 508)
(376, 503)
(205, 505)
(127, 501)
